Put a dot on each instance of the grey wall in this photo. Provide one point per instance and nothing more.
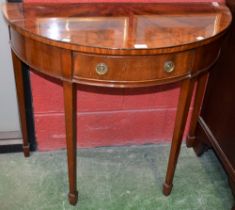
(9, 120)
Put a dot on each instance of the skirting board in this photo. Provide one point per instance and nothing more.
(203, 127)
(10, 141)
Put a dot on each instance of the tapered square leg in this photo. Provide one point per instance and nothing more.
(71, 141)
(201, 86)
(181, 117)
(18, 72)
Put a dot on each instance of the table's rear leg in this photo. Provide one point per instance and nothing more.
(70, 124)
(201, 86)
(19, 81)
(181, 118)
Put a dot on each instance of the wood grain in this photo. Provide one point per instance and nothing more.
(132, 29)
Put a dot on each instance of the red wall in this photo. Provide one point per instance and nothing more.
(106, 117)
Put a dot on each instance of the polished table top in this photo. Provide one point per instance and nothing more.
(123, 27)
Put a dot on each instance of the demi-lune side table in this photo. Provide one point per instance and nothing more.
(117, 45)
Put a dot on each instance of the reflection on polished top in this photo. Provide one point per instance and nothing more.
(120, 25)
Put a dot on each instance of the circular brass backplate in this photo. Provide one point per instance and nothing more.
(101, 68)
(169, 66)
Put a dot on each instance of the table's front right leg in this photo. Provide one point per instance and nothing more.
(20, 89)
(180, 122)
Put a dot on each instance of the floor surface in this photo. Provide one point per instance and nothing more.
(114, 178)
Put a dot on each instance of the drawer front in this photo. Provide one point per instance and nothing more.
(132, 68)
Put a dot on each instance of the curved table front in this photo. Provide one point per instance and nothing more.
(117, 45)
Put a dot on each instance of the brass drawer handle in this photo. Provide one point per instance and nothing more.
(169, 66)
(101, 68)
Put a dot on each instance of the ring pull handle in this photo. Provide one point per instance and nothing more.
(169, 66)
(101, 69)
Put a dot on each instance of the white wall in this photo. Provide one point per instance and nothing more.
(9, 120)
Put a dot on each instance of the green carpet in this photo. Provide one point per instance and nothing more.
(114, 178)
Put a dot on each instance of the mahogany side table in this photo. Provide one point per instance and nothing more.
(117, 45)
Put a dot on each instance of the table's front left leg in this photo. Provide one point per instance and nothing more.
(180, 122)
(71, 138)
(20, 89)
